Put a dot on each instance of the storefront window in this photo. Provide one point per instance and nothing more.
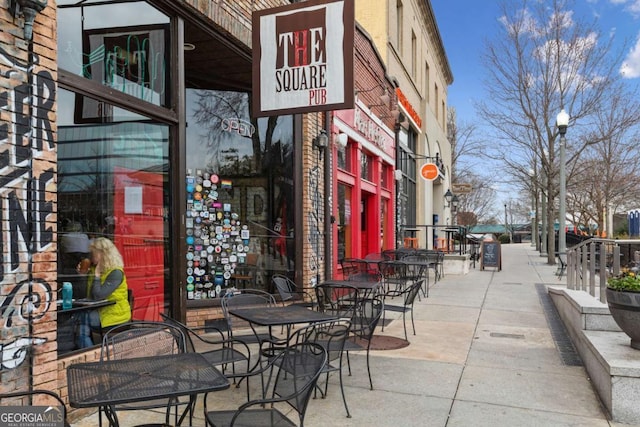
(113, 181)
(366, 167)
(344, 158)
(385, 176)
(344, 222)
(122, 45)
(239, 203)
(384, 229)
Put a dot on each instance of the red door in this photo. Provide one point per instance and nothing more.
(139, 236)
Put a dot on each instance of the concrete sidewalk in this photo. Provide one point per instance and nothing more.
(484, 354)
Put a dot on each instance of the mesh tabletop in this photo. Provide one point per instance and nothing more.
(121, 381)
(276, 316)
(358, 284)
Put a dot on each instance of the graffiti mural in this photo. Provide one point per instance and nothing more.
(26, 214)
(314, 218)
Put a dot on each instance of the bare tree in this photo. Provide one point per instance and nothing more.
(465, 147)
(607, 175)
(546, 59)
(476, 206)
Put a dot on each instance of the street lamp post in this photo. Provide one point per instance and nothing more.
(544, 198)
(534, 209)
(562, 122)
(506, 223)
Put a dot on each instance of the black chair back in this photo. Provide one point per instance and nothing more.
(142, 338)
(300, 366)
(340, 300)
(246, 298)
(366, 318)
(285, 287)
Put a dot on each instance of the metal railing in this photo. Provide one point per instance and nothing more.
(590, 263)
(451, 239)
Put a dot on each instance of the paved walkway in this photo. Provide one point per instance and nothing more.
(484, 355)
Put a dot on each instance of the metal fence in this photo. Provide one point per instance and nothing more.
(590, 263)
(451, 239)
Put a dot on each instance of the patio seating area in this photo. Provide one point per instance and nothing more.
(463, 352)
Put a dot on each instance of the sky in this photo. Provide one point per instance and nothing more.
(466, 25)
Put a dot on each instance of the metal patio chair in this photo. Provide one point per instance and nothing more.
(291, 377)
(289, 292)
(214, 346)
(246, 298)
(363, 325)
(141, 339)
(408, 295)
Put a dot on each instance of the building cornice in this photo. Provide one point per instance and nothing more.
(434, 33)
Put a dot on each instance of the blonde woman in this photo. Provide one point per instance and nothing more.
(106, 280)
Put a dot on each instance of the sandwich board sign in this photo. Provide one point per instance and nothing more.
(491, 254)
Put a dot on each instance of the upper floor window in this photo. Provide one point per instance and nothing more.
(427, 81)
(366, 167)
(344, 158)
(126, 50)
(437, 102)
(414, 55)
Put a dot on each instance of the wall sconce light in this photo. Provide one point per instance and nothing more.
(342, 140)
(452, 199)
(28, 9)
(322, 140)
(385, 98)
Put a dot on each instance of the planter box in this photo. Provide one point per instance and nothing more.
(613, 366)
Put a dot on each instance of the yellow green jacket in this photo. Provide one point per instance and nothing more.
(117, 313)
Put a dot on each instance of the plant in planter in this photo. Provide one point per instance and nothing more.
(623, 298)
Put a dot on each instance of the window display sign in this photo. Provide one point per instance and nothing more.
(217, 241)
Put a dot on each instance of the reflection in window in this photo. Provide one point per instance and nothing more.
(254, 158)
(385, 178)
(113, 181)
(344, 158)
(366, 167)
(120, 45)
(384, 225)
(344, 222)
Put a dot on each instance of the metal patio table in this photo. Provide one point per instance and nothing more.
(366, 288)
(285, 316)
(112, 382)
(280, 316)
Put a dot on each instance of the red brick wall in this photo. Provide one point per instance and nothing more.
(369, 73)
(27, 171)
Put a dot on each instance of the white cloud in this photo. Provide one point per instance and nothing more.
(631, 66)
(633, 6)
